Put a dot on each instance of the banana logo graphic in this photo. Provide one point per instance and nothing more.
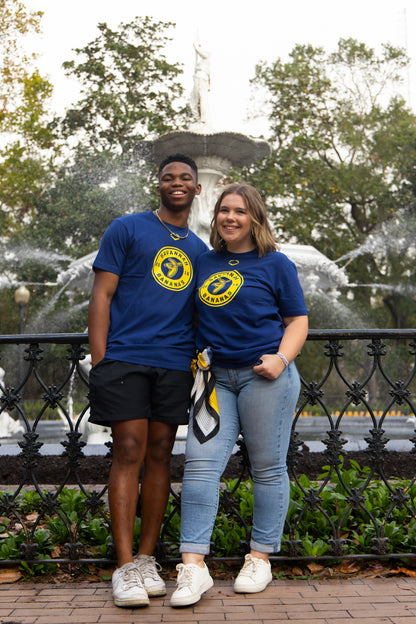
(220, 288)
(172, 269)
(219, 285)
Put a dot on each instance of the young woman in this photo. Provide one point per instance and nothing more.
(252, 315)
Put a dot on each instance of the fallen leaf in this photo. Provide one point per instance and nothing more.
(407, 572)
(9, 575)
(350, 567)
(314, 568)
(297, 571)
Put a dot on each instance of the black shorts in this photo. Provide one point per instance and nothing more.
(123, 391)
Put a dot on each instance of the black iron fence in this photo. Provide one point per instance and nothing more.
(357, 401)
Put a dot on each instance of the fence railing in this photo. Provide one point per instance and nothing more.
(360, 383)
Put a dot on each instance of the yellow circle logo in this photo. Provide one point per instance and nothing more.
(172, 269)
(220, 288)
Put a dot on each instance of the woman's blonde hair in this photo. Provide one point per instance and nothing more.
(261, 231)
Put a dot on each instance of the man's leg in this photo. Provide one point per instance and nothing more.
(129, 449)
(155, 485)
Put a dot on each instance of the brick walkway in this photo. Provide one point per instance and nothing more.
(368, 601)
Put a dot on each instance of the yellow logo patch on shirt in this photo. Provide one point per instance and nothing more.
(172, 269)
(220, 288)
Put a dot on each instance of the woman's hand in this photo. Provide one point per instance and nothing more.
(271, 366)
(296, 331)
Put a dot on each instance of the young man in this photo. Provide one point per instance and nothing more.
(142, 342)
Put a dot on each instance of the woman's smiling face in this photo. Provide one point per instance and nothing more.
(234, 224)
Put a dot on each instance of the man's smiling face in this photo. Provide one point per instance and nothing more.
(177, 186)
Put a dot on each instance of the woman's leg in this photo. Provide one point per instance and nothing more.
(204, 465)
(266, 409)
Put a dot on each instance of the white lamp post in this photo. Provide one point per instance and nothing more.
(21, 296)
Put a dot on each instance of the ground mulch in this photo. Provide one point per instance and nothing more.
(52, 469)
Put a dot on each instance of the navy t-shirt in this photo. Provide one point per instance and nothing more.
(241, 300)
(151, 314)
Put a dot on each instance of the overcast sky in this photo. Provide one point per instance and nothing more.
(235, 33)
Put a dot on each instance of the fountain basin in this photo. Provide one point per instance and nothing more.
(215, 150)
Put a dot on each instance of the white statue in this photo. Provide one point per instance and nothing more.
(8, 425)
(95, 434)
(199, 94)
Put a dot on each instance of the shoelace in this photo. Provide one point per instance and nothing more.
(131, 578)
(149, 567)
(185, 577)
(248, 568)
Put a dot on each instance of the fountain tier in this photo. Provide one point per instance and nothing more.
(215, 153)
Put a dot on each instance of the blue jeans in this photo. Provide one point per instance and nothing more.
(262, 409)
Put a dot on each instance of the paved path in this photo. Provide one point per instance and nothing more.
(368, 601)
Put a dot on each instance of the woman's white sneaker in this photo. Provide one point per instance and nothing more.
(192, 582)
(128, 589)
(149, 569)
(254, 576)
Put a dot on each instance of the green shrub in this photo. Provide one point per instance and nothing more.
(349, 506)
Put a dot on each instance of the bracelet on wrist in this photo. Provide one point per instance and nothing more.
(283, 358)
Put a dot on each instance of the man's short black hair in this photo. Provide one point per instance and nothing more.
(179, 158)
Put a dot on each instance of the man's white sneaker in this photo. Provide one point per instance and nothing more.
(148, 568)
(128, 590)
(254, 576)
(191, 583)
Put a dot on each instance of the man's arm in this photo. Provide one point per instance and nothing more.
(104, 287)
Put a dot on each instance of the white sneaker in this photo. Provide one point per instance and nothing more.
(128, 590)
(148, 568)
(254, 576)
(191, 583)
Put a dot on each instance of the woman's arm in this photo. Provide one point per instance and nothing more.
(293, 339)
(104, 287)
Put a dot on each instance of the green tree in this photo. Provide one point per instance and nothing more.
(87, 195)
(129, 90)
(28, 140)
(129, 93)
(343, 151)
